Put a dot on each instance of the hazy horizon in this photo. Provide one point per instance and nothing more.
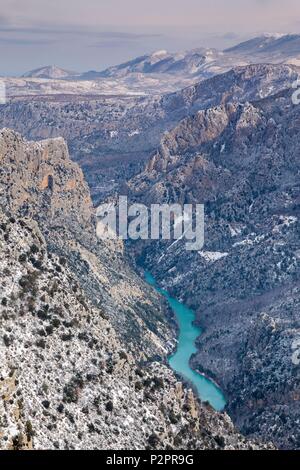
(96, 34)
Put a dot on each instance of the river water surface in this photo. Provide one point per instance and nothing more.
(180, 360)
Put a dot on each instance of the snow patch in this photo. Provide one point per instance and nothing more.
(286, 221)
(234, 231)
(250, 241)
(133, 133)
(212, 256)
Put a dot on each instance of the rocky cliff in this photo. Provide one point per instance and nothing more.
(78, 329)
(38, 180)
(242, 162)
(112, 137)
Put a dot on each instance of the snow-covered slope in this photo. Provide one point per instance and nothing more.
(269, 47)
(189, 62)
(202, 63)
(161, 71)
(50, 72)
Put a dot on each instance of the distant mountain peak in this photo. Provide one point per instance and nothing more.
(269, 43)
(274, 35)
(49, 72)
(160, 53)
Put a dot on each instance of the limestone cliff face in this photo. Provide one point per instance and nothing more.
(39, 181)
(204, 127)
(39, 178)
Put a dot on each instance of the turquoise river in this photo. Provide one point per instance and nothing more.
(180, 361)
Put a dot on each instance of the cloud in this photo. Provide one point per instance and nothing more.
(230, 36)
(41, 34)
(44, 30)
(66, 29)
(25, 42)
(108, 37)
(3, 20)
(122, 35)
(112, 39)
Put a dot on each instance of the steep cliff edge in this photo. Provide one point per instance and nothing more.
(38, 180)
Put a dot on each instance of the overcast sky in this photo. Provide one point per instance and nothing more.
(92, 34)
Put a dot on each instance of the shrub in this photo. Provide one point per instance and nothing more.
(42, 315)
(34, 249)
(66, 337)
(158, 383)
(22, 258)
(220, 441)
(177, 440)
(55, 322)
(60, 408)
(29, 283)
(29, 430)
(139, 372)
(109, 406)
(173, 417)
(37, 264)
(62, 261)
(123, 355)
(153, 440)
(71, 390)
(18, 442)
(41, 343)
(7, 340)
(49, 330)
(138, 386)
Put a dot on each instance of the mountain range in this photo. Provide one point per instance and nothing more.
(113, 137)
(229, 139)
(198, 63)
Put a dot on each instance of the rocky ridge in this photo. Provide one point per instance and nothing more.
(123, 133)
(202, 63)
